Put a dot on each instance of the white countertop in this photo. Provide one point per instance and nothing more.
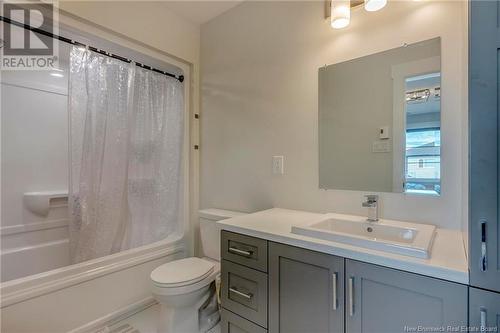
(448, 260)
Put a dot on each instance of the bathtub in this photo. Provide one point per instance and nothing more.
(40, 302)
(40, 247)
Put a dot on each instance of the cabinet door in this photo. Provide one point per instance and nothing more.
(484, 99)
(384, 300)
(484, 310)
(306, 291)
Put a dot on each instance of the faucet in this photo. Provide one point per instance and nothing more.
(372, 204)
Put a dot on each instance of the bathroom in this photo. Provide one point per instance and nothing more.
(293, 123)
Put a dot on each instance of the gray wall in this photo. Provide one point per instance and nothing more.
(259, 72)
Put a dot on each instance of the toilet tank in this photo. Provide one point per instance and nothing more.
(210, 232)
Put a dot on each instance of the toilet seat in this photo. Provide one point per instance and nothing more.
(183, 276)
(182, 272)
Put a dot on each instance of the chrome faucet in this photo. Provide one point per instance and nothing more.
(372, 204)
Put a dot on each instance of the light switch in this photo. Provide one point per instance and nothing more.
(278, 166)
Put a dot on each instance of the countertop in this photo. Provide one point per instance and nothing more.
(448, 259)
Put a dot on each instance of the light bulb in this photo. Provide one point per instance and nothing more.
(374, 5)
(340, 14)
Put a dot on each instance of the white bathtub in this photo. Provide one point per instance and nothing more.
(34, 259)
(33, 248)
(55, 301)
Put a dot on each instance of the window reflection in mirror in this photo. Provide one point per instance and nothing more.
(423, 134)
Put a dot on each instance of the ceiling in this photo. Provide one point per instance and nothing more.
(200, 11)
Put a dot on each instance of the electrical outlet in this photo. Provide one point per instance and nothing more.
(278, 166)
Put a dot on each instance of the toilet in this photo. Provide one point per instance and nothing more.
(183, 286)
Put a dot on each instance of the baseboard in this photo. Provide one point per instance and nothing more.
(114, 317)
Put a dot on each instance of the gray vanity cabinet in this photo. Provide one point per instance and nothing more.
(484, 309)
(300, 290)
(484, 109)
(384, 300)
(306, 291)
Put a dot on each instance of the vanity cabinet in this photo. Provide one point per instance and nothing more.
(299, 290)
(484, 109)
(484, 309)
(484, 116)
(306, 291)
(386, 300)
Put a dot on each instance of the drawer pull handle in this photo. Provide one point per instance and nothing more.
(483, 320)
(351, 296)
(239, 293)
(334, 286)
(240, 252)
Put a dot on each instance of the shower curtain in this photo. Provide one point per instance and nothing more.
(126, 139)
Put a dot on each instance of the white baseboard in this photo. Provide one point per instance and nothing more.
(115, 316)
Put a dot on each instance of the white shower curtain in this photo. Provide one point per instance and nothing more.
(126, 133)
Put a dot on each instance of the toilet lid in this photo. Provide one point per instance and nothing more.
(182, 272)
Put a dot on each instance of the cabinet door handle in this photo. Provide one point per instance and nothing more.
(483, 263)
(334, 290)
(351, 296)
(483, 320)
(239, 293)
(240, 252)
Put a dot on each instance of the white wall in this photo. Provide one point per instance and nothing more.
(150, 22)
(260, 65)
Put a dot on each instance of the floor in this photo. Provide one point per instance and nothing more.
(143, 322)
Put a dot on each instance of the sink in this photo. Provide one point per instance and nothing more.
(404, 238)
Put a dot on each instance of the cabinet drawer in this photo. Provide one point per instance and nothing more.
(244, 250)
(244, 292)
(232, 323)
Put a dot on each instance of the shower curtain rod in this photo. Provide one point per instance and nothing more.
(73, 42)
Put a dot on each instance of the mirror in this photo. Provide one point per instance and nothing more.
(380, 121)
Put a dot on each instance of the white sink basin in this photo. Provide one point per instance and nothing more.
(410, 239)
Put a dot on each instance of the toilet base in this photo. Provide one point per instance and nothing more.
(183, 319)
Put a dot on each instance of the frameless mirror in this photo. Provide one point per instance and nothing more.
(380, 121)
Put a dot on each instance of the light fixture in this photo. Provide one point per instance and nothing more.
(339, 11)
(340, 14)
(374, 5)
